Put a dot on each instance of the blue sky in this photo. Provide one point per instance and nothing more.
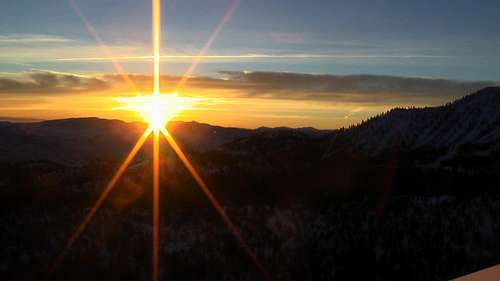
(447, 39)
(439, 39)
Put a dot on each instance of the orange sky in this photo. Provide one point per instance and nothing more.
(243, 100)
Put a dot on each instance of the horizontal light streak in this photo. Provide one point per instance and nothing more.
(251, 56)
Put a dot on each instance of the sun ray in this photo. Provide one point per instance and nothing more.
(156, 204)
(156, 45)
(100, 200)
(157, 121)
(227, 16)
(105, 49)
(201, 183)
(154, 112)
(157, 110)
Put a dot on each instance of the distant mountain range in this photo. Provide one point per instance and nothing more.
(410, 194)
(434, 148)
(77, 140)
(469, 125)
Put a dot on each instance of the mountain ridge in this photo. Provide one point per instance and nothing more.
(471, 122)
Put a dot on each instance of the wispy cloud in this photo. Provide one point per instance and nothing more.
(253, 56)
(353, 111)
(330, 89)
(299, 38)
(49, 82)
(51, 48)
(260, 98)
(349, 88)
(37, 52)
(32, 38)
(19, 119)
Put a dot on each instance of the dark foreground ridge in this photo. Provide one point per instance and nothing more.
(411, 194)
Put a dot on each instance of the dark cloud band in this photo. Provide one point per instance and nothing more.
(355, 88)
(377, 89)
(48, 82)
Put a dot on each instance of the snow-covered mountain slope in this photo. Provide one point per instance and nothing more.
(471, 120)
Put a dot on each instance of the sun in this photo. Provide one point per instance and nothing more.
(158, 109)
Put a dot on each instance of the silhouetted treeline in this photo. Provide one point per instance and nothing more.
(417, 238)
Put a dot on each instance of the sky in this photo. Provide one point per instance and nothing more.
(320, 63)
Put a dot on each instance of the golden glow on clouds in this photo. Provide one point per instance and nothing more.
(239, 103)
(196, 104)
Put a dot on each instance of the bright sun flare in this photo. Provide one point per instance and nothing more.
(157, 110)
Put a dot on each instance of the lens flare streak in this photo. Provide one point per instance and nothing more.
(105, 49)
(156, 205)
(154, 109)
(156, 45)
(88, 218)
(157, 121)
(157, 110)
(227, 16)
(201, 183)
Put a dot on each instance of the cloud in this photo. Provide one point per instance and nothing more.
(355, 89)
(348, 88)
(18, 119)
(329, 89)
(32, 38)
(300, 38)
(252, 56)
(233, 98)
(51, 82)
